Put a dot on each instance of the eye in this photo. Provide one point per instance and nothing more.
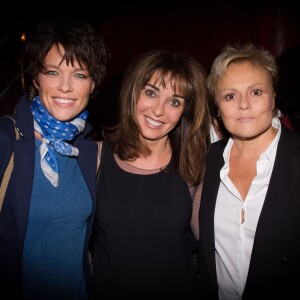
(175, 102)
(52, 73)
(150, 93)
(257, 92)
(229, 97)
(79, 75)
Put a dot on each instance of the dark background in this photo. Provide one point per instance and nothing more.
(200, 28)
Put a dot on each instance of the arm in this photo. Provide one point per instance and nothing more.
(99, 143)
(195, 213)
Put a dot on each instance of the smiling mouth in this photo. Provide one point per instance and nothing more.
(64, 101)
(153, 123)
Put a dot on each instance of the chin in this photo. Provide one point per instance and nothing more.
(64, 115)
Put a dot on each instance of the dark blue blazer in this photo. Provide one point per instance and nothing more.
(15, 208)
(274, 271)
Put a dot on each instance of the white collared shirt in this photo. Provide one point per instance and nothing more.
(233, 239)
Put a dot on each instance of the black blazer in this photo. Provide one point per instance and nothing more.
(274, 270)
(15, 209)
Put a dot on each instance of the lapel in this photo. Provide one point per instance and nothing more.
(284, 178)
(87, 160)
(214, 163)
(24, 163)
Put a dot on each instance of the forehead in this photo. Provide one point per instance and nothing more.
(170, 80)
(57, 56)
(159, 77)
(55, 52)
(237, 69)
(238, 72)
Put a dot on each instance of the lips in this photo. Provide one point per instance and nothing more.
(245, 119)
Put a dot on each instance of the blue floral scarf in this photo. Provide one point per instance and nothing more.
(54, 133)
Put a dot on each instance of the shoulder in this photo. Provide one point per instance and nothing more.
(7, 129)
(289, 139)
(102, 146)
(218, 146)
(7, 138)
(214, 157)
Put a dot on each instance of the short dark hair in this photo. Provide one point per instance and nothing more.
(79, 40)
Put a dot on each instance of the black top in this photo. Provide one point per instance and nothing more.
(144, 244)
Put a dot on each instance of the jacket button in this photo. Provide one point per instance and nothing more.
(286, 260)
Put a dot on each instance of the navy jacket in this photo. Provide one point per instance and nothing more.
(274, 271)
(15, 208)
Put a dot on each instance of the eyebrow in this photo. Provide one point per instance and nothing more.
(157, 89)
(77, 69)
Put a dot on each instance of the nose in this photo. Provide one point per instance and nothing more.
(65, 84)
(244, 103)
(158, 108)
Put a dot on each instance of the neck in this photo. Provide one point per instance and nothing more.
(158, 159)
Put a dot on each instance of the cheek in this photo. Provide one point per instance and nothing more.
(141, 105)
(266, 107)
(84, 93)
(83, 104)
(273, 104)
(226, 112)
(85, 89)
(175, 117)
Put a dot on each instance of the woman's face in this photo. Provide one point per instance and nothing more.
(245, 98)
(158, 110)
(64, 89)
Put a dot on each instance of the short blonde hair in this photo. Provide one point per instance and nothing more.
(235, 53)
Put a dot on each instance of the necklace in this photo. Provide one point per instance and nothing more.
(128, 167)
(131, 165)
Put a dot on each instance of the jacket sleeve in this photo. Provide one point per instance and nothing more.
(7, 138)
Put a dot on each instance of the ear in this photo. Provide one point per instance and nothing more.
(92, 87)
(274, 103)
(35, 84)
